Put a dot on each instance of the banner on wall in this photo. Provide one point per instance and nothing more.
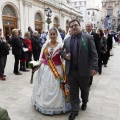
(108, 22)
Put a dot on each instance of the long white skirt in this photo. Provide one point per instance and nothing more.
(47, 95)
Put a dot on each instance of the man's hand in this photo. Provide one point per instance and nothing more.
(68, 56)
(93, 72)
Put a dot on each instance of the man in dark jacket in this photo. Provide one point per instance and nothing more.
(81, 62)
(4, 51)
(16, 50)
(109, 46)
(36, 46)
(89, 27)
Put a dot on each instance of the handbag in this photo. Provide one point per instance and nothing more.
(4, 50)
(103, 50)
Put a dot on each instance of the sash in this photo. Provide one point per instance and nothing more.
(63, 84)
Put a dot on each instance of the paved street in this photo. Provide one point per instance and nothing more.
(104, 99)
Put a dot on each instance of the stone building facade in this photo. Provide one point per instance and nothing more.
(91, 11)
(23, 13)
(93, 15)
(81, 5)
(111, 9)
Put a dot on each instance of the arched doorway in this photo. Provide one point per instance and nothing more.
(38, 22)
(56, 22)
(9, 20)
(67, 25)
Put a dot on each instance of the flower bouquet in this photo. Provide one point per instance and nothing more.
(32, 65)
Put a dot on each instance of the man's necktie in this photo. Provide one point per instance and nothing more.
(0, 39)
(75, 51)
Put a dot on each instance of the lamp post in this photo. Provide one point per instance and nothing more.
(48, 13)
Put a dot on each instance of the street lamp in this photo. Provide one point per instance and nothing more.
(48, 13)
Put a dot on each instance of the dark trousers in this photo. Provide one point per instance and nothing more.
(22, 66)
(36, 54)
(29, 58)
(16, 64)
(100, 61)
(75, 82)
(106, 57)
(3, 60)
(91, 80)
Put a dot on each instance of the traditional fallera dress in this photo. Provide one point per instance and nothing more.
(47, 95)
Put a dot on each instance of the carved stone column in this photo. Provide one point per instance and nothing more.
(27, 14)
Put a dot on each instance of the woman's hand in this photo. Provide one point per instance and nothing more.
(93, 72)
(68, 56)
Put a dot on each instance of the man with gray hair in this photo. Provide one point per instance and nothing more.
(89, 27)
(36, 45)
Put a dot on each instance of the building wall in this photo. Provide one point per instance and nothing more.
(83, 6)
(26, 10)
(94, 19)
(115, 6)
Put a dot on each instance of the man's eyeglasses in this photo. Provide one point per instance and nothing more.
(74, 25)
(53, 34)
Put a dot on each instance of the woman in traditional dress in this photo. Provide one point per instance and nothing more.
(48, 96)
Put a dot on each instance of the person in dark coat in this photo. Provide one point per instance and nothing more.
(103, 49)
(36, 46)
(89, 27)
(109, 46)
(16, 50)
(4, 51)
(81, 61)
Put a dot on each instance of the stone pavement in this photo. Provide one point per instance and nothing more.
(104, 99)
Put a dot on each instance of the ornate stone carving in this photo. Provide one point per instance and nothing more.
(25, 2)
(38, 17)
(55, 20)
(9, 11)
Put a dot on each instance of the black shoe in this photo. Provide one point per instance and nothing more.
(99, 72)
(17, 73)
(89, 85)
(84, 106)
(3, 75)
(21, 69)
(105, 65)
(73, 115)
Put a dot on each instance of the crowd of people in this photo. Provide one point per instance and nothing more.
(84, 54)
